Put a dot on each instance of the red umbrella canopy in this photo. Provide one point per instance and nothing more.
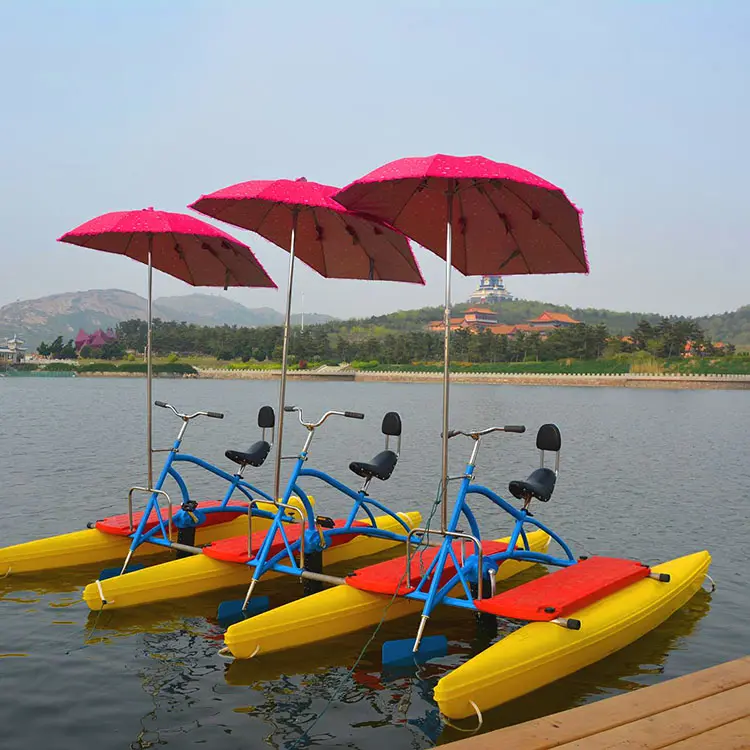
(505, 220)
(337, 243)
(181, 246)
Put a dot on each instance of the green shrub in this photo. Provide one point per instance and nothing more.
(59, 367)
(98, 367)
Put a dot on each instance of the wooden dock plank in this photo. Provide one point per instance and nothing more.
(594, 718)
(668, 727)
(733, 736)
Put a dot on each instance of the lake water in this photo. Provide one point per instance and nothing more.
(650, 474)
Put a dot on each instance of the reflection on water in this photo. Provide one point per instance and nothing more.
(639, 473)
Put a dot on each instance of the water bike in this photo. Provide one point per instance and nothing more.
(159, 526)
(588, 608)
(300, 549)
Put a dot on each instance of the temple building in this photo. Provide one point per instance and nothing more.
(550, 320)
(478, 319)
(13, 352)
(491, 289)
(95, 340)
(475, 319)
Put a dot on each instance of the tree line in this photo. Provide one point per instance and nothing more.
(329, 343)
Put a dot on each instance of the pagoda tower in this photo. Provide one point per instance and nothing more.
(491, 289)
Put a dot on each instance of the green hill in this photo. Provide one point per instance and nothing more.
(730, 327)
(509, 312)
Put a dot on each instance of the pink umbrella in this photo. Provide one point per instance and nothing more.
(501, 220)
(179, 245)
(302, 218)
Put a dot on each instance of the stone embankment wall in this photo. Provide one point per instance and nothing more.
(477, 378)
(492, 378)
(588, 379)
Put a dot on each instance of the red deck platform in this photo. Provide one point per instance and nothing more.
(235, 549)
(566, 590)
(389, 577)
(120, 525)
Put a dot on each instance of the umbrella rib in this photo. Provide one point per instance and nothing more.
(392, 243)
(549, 226)
(369, 257)
(411, 257)
(271, 206)
(405, 204)
(509, 229)
(461, 216)
(183, 257)
(324, 273)
(127, 246)
(227, 270)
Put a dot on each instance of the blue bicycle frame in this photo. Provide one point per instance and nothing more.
(433, 592)
(185, 517)
(315, 538)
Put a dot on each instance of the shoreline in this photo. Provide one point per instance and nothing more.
(627, 380)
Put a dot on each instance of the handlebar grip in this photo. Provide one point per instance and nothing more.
(215, 414)
(290, 408)
(514, 428)
(160, 403)
(354, 415)
(452, 433)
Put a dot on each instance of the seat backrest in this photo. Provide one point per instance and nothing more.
(548, 438)
(266, 417)
(266, 421)
(392, 428)
(391, 424)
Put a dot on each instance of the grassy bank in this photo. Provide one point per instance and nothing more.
(622, 364)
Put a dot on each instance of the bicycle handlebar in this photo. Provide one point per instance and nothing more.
(476, 434)
(188, 417)
(313, 425)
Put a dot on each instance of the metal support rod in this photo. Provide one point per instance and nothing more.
(420, 633)
(249, 593)
(446, 355)
(187, 548)
(127, 562)
(149, 437)
(456, 535)
(250, 507)
(312, 576)
(284, 354)
(147, 491)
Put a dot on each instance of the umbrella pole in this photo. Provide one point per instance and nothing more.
(284, 356)
(149, 437)
(446, 356)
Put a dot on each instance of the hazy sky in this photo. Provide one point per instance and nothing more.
(638, 110)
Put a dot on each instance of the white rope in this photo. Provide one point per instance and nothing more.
(461, 729)
(101, 593)
(10, 567)
(225, 653)
(713, 583)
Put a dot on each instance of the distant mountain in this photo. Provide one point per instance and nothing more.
(212, 310)
(64, 314)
